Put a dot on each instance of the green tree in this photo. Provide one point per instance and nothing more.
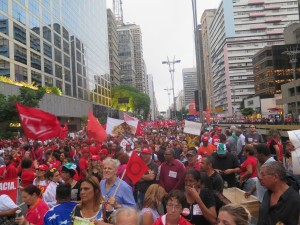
(247, 111)
(8, 110)
(138, 101)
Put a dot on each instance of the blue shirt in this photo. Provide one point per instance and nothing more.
(124, 195)
(60, 214)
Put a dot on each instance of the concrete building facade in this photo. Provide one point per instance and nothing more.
(126, 56)
(239, 29)
(114, 63)
(206, 20)
(189, 76)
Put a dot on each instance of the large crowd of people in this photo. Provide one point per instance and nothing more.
(80, 181)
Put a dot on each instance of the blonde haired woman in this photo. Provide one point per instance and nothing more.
(152, 201)
(233, 214)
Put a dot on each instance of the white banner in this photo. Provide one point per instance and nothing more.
(294, 136)
(123, 143)
(192, 127)
(116, 127)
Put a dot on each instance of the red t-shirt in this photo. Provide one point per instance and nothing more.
(35, 215)
(10, 172)
(162, 221)
(27, 177)
(251, 160)
(205, 151)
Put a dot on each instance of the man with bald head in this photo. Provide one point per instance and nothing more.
(126, 216)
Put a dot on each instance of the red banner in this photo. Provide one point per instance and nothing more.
(10, 188)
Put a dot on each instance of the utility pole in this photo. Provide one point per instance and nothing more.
(172, 70)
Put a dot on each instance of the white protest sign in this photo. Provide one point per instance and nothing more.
(294, 136)
(192, 127)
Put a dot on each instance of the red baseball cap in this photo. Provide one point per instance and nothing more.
(204, 138)
(219, 128)
(103, 151)
(146, 151)
(95, 157)
(43, 167)
(128, 144)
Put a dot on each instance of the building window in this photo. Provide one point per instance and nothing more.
(36, 78)
(47, 50)
(20, 54)
(34, 24)
(21, 73)
(4, 47)
(19, 13)
(4, 68)
(79, 81)
(3, 5)
(35, 43)
(34, 7)
(47, 33)
(56, 27)
(67, 75)
(80, 93)
(48, 81)
(19, 34)
(48, 66)
(57, 40)
(57, 55)
(67, 61)
(68, 90)
(65, 34)
(3, 24)
(66, 47)
(79, 68)
(58, 71)
(35, 61)
(58, 84)
(46, 17)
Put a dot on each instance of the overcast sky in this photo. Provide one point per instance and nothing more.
(167, 29)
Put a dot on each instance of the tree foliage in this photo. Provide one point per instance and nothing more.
(27, 97)
(138, 101)
(247, 111)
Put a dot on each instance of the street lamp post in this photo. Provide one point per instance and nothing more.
(172, 70)
(292, 53)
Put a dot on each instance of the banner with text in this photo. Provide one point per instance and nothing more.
(192, 127)
(10, 188)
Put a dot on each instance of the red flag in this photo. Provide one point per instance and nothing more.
(94, 128)
(136, 168)
(127, 117)
(38, 124)
(139, 130)
(64, 132)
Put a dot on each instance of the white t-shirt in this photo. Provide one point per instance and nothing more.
(6, 203)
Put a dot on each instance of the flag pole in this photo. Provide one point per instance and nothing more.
(120, 181)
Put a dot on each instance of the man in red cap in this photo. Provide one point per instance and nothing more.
(84, 163)
(103, 153)
(207, 148)
(149, 177)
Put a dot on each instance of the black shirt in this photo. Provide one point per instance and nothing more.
(230, 161)
(196, 216)
(143, 186)
(217, 182)
(286, 210)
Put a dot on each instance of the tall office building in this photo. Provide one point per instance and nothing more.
(239, 29)
(134, 43)
(151, 93)
(57, 43)
(189, 76)
(113, 49)
(206, 20)
(126, 56)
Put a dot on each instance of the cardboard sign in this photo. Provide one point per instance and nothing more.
(192, 127)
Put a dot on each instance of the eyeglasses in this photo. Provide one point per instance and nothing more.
(174, 207)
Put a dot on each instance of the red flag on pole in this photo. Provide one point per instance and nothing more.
(136, 168)
(38, 124)
(94, 128)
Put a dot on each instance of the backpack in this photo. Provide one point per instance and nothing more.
(293, 181)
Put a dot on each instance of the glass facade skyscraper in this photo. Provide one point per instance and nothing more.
(62, 43)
